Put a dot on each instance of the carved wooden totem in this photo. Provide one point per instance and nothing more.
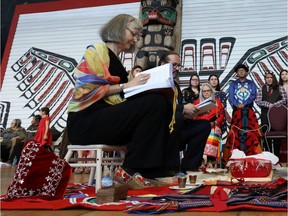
(162, 28)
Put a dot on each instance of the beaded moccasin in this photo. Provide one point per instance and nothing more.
(133, 182)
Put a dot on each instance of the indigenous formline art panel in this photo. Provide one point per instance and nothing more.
(210, 61)
(271, 56)
(159, 18)
(127, 59)
(226, 45)
(189, 55)
(207, 54)
(4, 113)
(45, 79)
(258, 59)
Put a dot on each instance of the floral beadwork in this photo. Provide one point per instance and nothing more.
(18, 187)
(141, 179)
(121, 176)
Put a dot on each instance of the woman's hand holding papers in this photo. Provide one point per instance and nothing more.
(141, 79)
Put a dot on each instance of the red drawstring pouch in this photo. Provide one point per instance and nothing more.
(40, 174)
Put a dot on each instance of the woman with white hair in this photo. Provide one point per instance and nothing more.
(215, 117)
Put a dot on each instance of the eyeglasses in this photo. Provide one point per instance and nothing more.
(134, 33)
(195, 80)
(204, 91)
(176, 65)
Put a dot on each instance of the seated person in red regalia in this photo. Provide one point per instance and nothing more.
(215, 117)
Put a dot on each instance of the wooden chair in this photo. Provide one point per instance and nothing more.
(102, 158)
(277, 120)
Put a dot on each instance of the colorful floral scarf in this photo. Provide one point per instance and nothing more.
(93, 79)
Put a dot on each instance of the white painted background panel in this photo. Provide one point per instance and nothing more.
(65, 32)
(251, 22)
(68, 32)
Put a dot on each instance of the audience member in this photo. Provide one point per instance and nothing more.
(98, 113)
(283, 80)
(18, 145)
(188, 135)
(244, 132)
(191, 93)
(271, 94)
(215, 117)
(215, 83)
(10, 136)
(32, 129)
(43, 134)
(135, 70)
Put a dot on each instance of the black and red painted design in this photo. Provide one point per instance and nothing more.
(209, 60)
(45, 79)
(271, 56)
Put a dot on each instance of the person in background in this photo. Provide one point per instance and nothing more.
(43, 134)
(283, 80)
(244, 132)
(271, 94)
(98, 112)
(10, 136)
(215, 83)
(135, 70)
(188, 136)
(191, 93)
(216, 118)
(32, 129)
(17, 146)
(242, 91)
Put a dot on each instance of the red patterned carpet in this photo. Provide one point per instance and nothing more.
(267, 197)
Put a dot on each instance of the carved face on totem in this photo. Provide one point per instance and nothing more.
(159, 19)
(159, 12)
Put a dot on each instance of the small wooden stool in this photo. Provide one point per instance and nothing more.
(98, 161)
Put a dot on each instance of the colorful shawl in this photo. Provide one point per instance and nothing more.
(93, 79)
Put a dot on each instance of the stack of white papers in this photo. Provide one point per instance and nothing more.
(161, 78)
